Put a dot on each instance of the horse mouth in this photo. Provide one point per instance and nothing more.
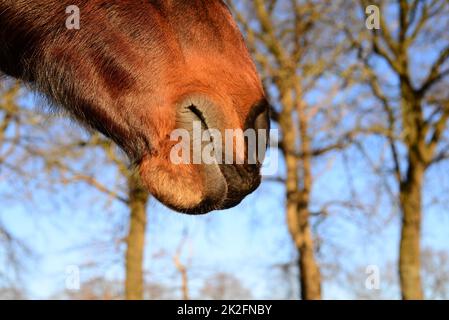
(240, 179)
(193, 187)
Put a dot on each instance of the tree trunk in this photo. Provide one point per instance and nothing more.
(138, 198)
(184, 277)
(410, 253)
(410, 196)
(310, 273)
(297, 204)
(185, 285)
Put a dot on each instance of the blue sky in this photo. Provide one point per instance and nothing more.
(249, 240)
(76, 225)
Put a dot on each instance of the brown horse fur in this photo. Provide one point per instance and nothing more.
(127, 72)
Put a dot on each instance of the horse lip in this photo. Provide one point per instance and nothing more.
(246, 179)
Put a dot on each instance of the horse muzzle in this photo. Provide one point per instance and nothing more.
(228, 182)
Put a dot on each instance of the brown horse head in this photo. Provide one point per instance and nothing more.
(136, 71)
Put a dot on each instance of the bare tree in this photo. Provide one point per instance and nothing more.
(182, 267)
(412, 96)
(435, 270)
(13, 250)
(94, 289)
(295, 51)
(138, 199)
(224, 286)
(435, 278)
(30, 136)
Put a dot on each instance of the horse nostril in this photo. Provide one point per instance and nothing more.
(262, 128)
(261, 122)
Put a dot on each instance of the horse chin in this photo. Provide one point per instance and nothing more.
(190, 189)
